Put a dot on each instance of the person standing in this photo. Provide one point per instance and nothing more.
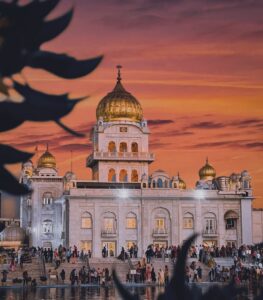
(63, 275)
(166, 275)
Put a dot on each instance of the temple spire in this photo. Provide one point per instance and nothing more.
(47, 147)
(119, 73)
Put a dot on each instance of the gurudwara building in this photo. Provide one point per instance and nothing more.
(124, 204)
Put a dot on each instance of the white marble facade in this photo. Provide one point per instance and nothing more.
(123, 203)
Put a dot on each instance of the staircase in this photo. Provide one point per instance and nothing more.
(34, 271)
(224, 261)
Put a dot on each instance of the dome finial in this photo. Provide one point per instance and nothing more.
(206, 160)
(47, 147)
(119, 72)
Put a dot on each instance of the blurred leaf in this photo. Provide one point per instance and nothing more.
(10, 155)
(9, 115)
(9, 183)
(122, 290)
(53, 28)
(38, 106)
(3, 87)
(63, 65)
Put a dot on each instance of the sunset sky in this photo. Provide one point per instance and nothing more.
(195, 66)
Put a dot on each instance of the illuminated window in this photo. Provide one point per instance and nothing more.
(130, 244)
(188, 223)
(86, 222)
(85, 246)
(160, 223)
(131, 223)
(108, 224)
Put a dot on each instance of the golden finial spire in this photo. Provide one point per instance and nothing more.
(206, 160)
(47, 147)
(119, 72)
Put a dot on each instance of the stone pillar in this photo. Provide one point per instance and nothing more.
(96, 236)
(246, 221)
(198, 222)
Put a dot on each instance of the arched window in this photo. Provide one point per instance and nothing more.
(154, 184)
(231, 219)
(112, 175)
(123, 176)
(134, 176)
(86, 220)
(47, 226)
(47, 198)
(159, 183)
(134, 147)
(188, 221)
(109, 224)
(210, 226)
(112, 147)
(123, 147)
(161, 221)
(131, 221)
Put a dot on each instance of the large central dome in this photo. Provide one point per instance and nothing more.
(119, 105)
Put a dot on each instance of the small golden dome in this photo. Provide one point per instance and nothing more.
(207, 172)
(46, 160)
(181, 184)
(119, 105)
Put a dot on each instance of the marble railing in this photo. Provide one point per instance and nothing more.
(121, 155)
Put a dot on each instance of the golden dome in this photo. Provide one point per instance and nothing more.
(46, 160)
(207, 172)
(119, 105)
(181, 184)
(13, 233)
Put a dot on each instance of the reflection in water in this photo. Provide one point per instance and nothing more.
(79, 293)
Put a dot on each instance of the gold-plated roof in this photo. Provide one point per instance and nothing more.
(119, 105)
(46, 160)
(207, 172)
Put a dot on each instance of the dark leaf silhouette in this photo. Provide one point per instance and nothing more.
(9, 115)
(122, 290)
(38, 106)
(23, 29)
(63, 65)
(9, 155)
(69, 130)
(53, 28)
(9, 183)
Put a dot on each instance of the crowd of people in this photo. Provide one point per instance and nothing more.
(247, 263)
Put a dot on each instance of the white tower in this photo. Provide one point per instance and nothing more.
(120, 138)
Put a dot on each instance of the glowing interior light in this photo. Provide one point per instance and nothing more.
(123, 193)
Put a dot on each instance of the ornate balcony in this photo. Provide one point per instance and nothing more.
(210, 233)
(109, 233)
(160, 232)
(124, 156)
